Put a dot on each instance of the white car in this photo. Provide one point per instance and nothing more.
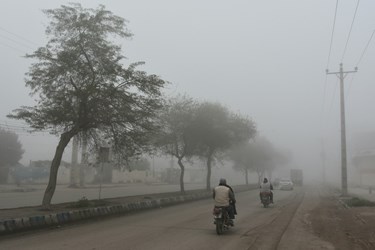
(286, 184)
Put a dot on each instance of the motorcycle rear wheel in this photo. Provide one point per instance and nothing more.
(219, 227)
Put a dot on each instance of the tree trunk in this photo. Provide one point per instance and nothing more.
(50, 190)
(4, 172)
(208, 179)
(182, 167)
(259, 176)
(247, 176)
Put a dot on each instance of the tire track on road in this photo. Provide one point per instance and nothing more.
(268, 235)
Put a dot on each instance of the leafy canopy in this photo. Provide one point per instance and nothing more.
(176, 118)
(83, 86)
(216, 129)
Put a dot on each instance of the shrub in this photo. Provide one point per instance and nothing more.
(83, 202)
(359, 202)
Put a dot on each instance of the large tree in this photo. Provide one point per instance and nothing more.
(215, 130)
(84, 88)
(10, 152)
(174, 138)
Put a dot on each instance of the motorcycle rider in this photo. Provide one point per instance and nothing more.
(224, 197)
(266, 186)
(232, 202)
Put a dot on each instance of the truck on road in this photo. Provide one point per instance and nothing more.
(296, 176)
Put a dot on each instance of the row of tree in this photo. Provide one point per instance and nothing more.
(85, 90)
(259, 156)
(211, 132)
(205, 130)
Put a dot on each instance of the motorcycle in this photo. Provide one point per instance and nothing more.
(265, 197)
(221, 219)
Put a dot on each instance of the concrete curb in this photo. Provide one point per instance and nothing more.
(14, 225)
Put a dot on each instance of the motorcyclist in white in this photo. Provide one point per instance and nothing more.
(266, 186)
(224, 197)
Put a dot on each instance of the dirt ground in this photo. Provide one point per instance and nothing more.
(344, 227)
(316, 219)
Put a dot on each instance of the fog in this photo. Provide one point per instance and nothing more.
(263, 59)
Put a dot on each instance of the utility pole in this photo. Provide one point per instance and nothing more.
(74, 171)
(153, 166)
(84, 161)
(323, 158)
(344, 177)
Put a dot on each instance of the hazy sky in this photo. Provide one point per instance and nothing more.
(264, 59)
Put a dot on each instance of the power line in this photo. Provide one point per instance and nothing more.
(13, 126)
(14, 123)
(25, 133)
(364, 51)
(13, 40)
(13, 48)
(329, 55)
(350, 31)
(333, 30)
(24, 41)
(360, 59)
(21, 37)
(20, 128)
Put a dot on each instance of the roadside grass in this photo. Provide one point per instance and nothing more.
(359, 202)
(84, 202)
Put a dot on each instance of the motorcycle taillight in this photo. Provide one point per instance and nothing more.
(216, 210)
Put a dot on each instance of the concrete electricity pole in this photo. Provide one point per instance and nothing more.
(83, 165)
(344, 178)
(74, 171)
(323, 158)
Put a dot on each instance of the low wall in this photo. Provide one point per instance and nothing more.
(13, 225)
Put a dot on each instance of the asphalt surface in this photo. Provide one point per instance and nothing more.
(184, 226)
(285, 225)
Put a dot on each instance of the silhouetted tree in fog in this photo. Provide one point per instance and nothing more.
(10, 153)
(215, 130)
(244, 157)
(174, 138)
(258, 155)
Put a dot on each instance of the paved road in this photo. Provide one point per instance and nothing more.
(64, 194)
(185, 226)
